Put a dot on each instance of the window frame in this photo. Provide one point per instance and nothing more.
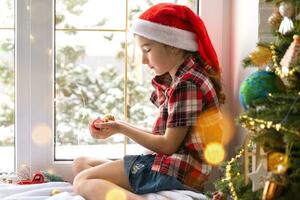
(34, 63)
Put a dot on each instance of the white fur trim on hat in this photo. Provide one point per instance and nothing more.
(172, 36)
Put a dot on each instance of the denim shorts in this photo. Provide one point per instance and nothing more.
(144, 180)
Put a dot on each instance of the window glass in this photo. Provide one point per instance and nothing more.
(91, 14)
(7, 92)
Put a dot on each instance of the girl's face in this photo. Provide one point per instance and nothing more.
(158, 57)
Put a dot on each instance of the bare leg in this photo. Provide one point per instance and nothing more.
(99, 189)
(82, 163)
(95, 183)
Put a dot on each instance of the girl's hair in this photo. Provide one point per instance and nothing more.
(213, 76)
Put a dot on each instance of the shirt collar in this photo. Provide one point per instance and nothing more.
(164, 81)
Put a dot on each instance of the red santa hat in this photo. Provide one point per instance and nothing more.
(177, 26)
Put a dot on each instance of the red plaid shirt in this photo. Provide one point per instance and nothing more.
(180, 104)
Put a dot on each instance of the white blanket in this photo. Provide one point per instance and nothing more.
(43, 191)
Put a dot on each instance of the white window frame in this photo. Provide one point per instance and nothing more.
(34, 85)
(34, 79)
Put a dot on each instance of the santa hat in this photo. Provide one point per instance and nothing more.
(177, 26)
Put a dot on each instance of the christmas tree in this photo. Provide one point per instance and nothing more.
(267, 166)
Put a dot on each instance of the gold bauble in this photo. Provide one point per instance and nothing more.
(277, 162)
(55, 191)
(275, 19)
(261, 56)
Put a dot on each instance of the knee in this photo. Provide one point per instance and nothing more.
(79, 164)
(80, 186)
(78, 179)
(77, 185)
(79, 182)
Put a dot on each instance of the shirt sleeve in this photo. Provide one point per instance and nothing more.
(184, 104)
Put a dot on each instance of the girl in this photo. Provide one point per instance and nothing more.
(176, 46)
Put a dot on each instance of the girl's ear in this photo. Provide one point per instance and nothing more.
(175, 50)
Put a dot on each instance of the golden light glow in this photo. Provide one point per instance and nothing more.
(50, 171)
(41, 134)
(50, 52)
(55, 191)
(31, 37)
(215, 126)
(115, 194)
(214, 153)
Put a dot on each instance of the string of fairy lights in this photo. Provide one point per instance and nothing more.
(228, 174)
(252, 123)
(281, 72)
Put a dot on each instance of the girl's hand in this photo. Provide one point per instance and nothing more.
(217, 196)
(102, 130)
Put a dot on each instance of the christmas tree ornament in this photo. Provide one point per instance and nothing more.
(271, 190)
(297, 17)
(287, 11)
(247, 154)
(292, 55)
(286, 26)
(108, 117)
(257, 86)
(261, 56)
(254, 156)
(275, 19)
(258, 177)
(274, 186)
(277, 162)
(289, 71)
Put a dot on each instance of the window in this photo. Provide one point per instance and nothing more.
(98, 72)
(7, 91)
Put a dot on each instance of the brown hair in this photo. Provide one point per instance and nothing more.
(213, 76)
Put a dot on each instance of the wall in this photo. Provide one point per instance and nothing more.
(245, 23)
(265, 11)
(233, 28)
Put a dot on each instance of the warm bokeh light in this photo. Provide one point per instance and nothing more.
(215, 126)
(41, 134)
(115, 194)
(214, 153)
(55, 192)
(277, 162)
(50, 171)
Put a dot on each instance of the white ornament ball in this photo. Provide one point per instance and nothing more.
(286, 9)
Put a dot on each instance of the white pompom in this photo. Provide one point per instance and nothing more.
(286, 25)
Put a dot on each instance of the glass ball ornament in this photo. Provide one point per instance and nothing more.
(259, 85)
(277, 162)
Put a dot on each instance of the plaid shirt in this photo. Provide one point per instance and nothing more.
(180, 104)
